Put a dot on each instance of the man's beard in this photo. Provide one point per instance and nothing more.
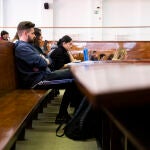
(30, 40)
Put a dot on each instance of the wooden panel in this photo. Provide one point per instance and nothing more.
(136, 50)
(7, 66)
(17, 108)
(140, 51)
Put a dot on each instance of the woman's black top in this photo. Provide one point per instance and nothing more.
(59, 57)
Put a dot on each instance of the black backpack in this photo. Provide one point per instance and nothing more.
(84, 124)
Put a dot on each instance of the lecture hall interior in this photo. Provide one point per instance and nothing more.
(114, 78)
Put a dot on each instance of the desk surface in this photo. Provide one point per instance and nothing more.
(114, 85)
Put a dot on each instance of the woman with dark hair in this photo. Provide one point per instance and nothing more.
(61, 56)
(38, 41)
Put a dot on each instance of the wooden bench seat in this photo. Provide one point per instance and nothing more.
(17, 111)
(18, 107)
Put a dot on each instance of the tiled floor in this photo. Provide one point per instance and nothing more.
(43, 135)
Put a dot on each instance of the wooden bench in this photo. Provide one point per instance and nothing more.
(126, 128)
(18, 106)
(137, 50)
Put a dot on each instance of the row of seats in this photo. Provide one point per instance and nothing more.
(18, 106)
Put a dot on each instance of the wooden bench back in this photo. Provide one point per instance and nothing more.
(7, 66)
(137, 50)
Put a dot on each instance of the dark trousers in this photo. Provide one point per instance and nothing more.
(71, 95)
(59, 75)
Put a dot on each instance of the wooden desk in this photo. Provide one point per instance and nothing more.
(114, 85)
(114, 89)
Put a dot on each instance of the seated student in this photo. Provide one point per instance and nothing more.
(110, 57)
(38, 40)
(4, 35)
(46, 47)
(61, 56)
(94, 56)
(121, 53)
(32, 68)
(102, 56)
(41, 49)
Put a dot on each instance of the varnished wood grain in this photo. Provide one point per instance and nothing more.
(121, 91)
(135, 49)
(114, 85)
(7, 66)
(16, 108)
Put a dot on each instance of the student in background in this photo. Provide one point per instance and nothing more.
(110, 57)
(102, 56)
(94, 56)
(4, 35)
(43, 48)
(46, 47)
(121, 53)
(38, 41)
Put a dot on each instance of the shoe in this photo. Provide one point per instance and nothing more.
(62, 118)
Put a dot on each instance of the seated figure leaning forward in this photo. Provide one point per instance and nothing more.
(32, 70)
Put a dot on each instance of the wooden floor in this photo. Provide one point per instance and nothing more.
(43, 136)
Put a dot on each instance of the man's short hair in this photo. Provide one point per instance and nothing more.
(25, 25)
(4, 32)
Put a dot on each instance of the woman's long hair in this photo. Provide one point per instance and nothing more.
(65, 39)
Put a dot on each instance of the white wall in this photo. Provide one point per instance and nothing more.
(61, 13)
(1, 13)
(80, 13)
(69, 13)
(121, 12)
(46, 19)
(19, 10)
(126, 13)
(15, 11)
(72, 13)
